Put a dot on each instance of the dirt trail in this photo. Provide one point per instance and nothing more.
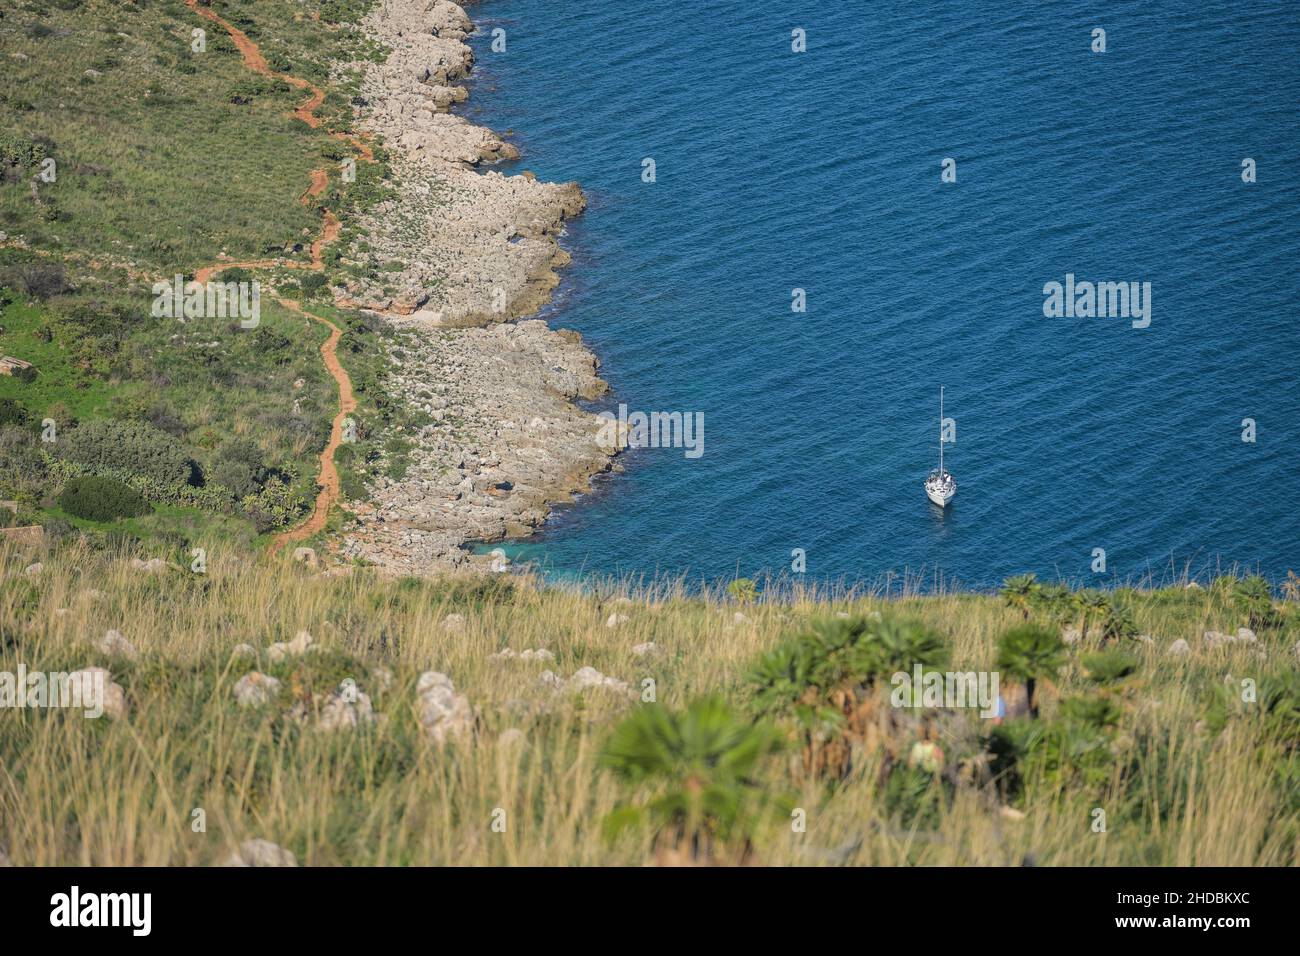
(329, 474)
(328, 480)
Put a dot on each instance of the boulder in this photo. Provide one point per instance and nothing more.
(281, 650)
(115, 645)
(261, 853)
(152, 566)
(255, 689)
(340, 713)
(442, 712)
(114, 699)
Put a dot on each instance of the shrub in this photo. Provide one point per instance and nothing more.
(274, 506)
(743, 590)
(129, 449)
(22, 466)
(239, 467)
(102, 499)
(42, 280)
(19, 151)
(1254, 597)
(312, 282)
(11, 413)
(1109, 666)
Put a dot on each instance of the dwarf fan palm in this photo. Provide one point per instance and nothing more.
(1091, 604)
(1254, 598)
(1030, 653)
(1020, 593)
(699, 767)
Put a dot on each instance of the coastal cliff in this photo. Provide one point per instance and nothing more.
(504, 439)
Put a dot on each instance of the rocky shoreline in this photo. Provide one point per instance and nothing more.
(477, 249)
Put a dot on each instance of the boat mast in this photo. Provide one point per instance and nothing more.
(941, 429)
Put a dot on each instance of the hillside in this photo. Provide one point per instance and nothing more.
(347, 749)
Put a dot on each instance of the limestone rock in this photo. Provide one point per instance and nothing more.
(281, 650)
(585, 678)
(505, 439)
(115, 645)
(261, 853)
(255, 689)
(339, 713)
(443, 713)
(538, 654)
(152, 566)
(114, 696)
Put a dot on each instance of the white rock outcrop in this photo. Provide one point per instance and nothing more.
(505, 439)
(255, 689)
(584, 678)
(261, 853)
(527, 656)
(442, 712)
(115, 645)
(281, 650)
(114, 695)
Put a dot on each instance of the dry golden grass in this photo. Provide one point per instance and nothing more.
(122, 791)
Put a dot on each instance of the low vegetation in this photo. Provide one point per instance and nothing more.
(765, 738)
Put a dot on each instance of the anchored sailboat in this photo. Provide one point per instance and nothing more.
(940, 487)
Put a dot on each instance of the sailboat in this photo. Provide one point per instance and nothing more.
(941, 486)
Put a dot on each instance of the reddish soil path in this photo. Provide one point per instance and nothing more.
(328, 479)
(329, 474)
(320, 181)
(254, 60)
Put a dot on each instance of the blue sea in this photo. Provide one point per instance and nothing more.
(821, 171)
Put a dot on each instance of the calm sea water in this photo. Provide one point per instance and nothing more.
(821, 171)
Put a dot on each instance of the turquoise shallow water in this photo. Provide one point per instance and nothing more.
(821, 171)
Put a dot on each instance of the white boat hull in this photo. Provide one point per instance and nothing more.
(940, 498)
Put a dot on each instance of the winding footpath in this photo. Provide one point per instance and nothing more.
(328, 479)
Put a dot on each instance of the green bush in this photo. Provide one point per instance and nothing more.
(11, 413)
(102, 499)
(238, 467)
(130, 449)
(23, 469)
(19, 151)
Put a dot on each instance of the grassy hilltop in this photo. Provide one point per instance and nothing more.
(357, 719)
